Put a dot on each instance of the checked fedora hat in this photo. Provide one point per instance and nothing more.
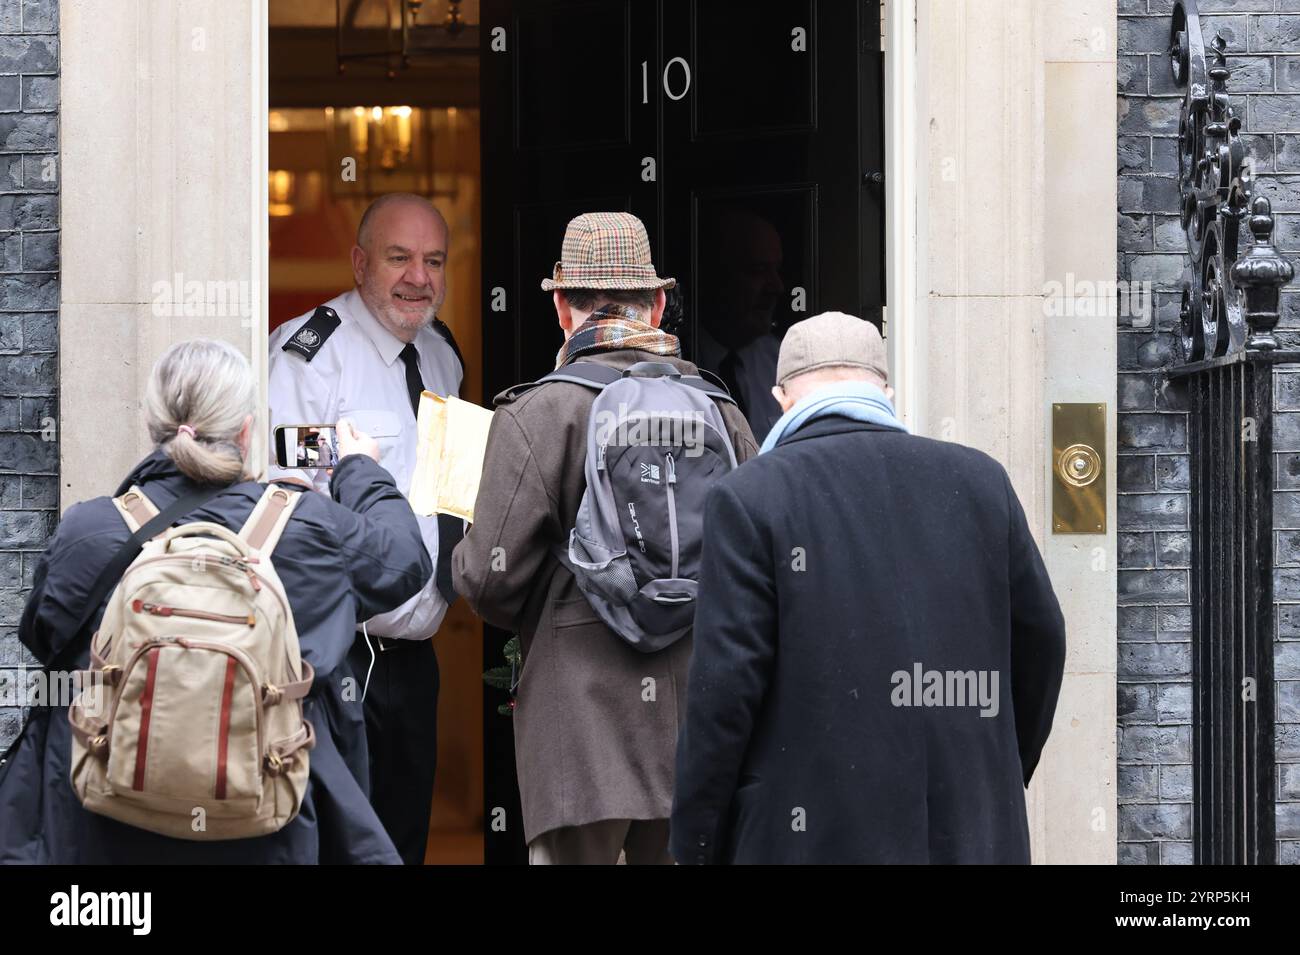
(607, 250)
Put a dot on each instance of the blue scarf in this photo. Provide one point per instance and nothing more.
(858, 400)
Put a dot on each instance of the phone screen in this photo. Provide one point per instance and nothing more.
(306, 446)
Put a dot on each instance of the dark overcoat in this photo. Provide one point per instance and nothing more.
(838, 569)
(340, 561)
(591, 742)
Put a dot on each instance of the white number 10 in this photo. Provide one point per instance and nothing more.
(645, 79)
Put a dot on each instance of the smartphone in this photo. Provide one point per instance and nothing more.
(306, 446)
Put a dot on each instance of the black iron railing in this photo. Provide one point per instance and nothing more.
(1230, 437)
(1229, 310)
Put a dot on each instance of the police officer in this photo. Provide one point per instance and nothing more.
(366, 356)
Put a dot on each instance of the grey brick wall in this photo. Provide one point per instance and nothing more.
(29, 302)
(1155, 743)
(1286, 593)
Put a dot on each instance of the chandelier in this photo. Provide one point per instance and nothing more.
(405, 37)
(391, 149)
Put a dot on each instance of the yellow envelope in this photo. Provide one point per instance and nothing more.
(449, 460)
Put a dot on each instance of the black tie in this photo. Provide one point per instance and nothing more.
(414, 383)
(450, 529)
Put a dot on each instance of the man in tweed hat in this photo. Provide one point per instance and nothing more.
(594, 753)
(878, 649)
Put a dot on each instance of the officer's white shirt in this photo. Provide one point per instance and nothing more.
(357, 373)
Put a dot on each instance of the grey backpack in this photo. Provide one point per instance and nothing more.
(656, 443)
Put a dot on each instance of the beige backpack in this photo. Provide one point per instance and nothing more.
(189, 722)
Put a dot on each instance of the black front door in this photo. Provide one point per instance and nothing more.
(748, 138)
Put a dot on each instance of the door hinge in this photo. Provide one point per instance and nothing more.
(883, 36)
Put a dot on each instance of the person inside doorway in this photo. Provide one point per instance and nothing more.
(741, 287)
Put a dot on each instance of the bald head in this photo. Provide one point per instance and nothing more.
(399, 262)
(409, 201)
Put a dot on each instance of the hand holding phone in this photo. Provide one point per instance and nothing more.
(313, 446)
(352, 441)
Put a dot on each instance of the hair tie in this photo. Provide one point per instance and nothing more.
(186, 429)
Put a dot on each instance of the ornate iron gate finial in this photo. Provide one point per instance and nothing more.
(1262, 273)
(1222, 293)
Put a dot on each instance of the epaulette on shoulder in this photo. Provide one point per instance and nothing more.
(513, 393)
(443, 330)
(313, 334)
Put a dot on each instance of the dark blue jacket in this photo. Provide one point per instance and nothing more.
(339, 563)
(833, 567)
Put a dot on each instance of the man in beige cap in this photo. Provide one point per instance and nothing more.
(878, 650)
(595, 720)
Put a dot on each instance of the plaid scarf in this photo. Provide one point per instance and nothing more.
(615, 327)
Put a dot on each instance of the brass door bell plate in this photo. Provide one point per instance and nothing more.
(1079, 468)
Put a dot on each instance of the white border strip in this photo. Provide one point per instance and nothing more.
(902, 239)
(259, 264)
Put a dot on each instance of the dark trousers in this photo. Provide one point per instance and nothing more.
(401, 709)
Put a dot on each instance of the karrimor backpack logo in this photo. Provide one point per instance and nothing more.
(76, 908)
(649, 474)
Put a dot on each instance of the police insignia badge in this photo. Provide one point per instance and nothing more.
(307, 341)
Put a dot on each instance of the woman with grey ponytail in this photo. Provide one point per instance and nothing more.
(341, 557)
(199, 409)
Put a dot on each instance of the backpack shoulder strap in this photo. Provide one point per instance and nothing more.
(593, 375)
(589, 374)
(264, 526)
(586, 373)
(710, 384)
(113, 570)
(135, 507)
